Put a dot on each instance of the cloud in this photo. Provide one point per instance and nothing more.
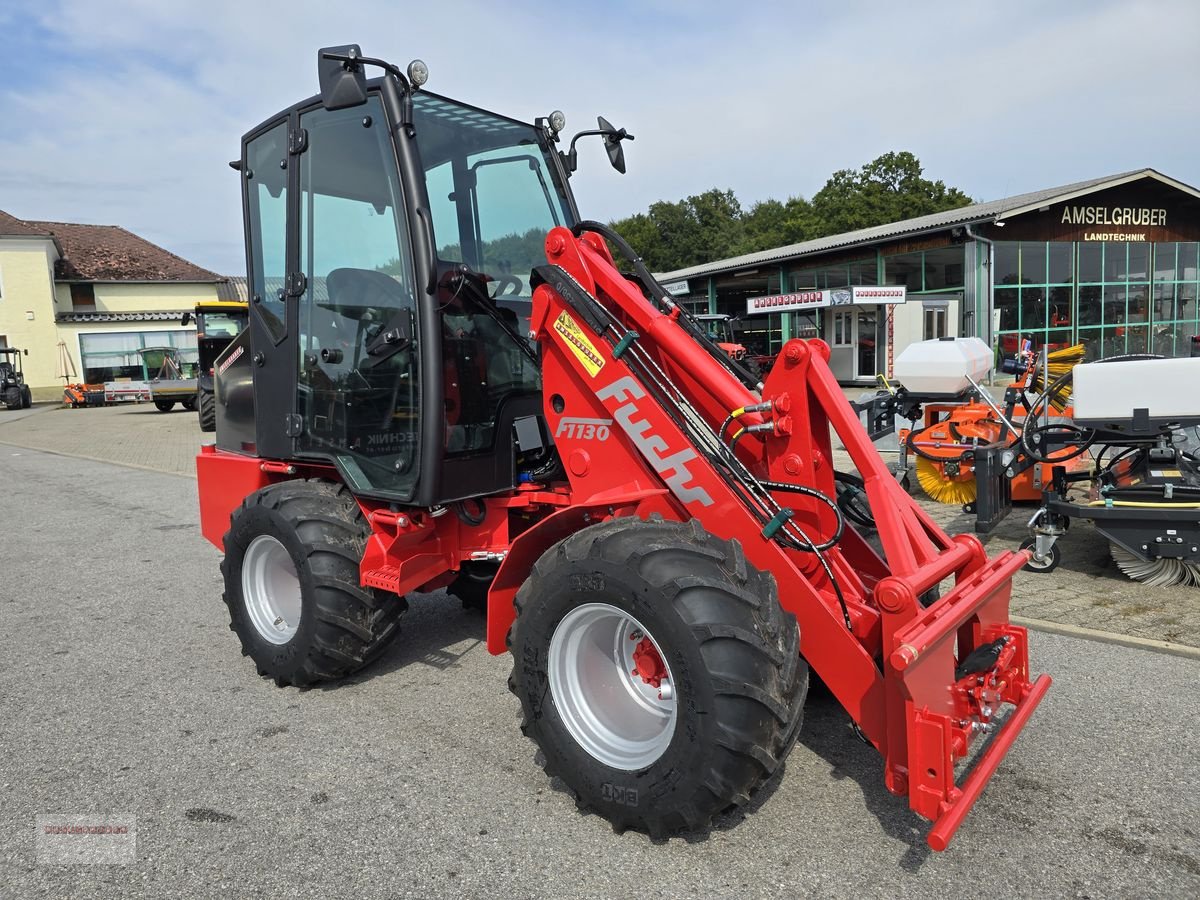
(127, 112)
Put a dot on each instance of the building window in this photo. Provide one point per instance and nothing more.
(83, 296)
(116, 355)
(935, 322)
(1115, 298)
(927, 270)
(859, 271)
(842, 328)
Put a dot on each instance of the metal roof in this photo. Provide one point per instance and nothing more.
(976, 212)
(233, 288)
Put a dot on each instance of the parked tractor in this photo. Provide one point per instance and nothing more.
(218, 322)
(721, 330)
(14, 392)
(659, 539)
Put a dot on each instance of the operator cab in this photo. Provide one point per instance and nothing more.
(718, 327)
(391, 235)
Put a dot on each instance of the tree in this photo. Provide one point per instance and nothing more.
(890, 188)
(770, 223)
(712, 226)
(702, 228)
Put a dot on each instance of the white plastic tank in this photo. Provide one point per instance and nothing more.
(943, 366)
(1108, 392)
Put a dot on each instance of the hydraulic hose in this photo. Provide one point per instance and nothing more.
(1141, 504)
(666, 302)
(1086, 436)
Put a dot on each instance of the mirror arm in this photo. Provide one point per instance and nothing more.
(571, 157)
(353, 62)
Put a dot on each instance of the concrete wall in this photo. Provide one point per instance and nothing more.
(28, 307)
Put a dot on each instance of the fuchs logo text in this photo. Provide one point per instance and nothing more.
(673, 468)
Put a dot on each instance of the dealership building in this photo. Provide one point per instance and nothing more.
(1110, 263)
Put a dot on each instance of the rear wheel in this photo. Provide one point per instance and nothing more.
(189, 404)
(206, 403)
(292, 584)
(164, 405)
(657, 672)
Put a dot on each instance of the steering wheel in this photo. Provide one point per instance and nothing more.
(508, 281)
(355, 293)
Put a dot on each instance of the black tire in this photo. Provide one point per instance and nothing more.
(189, 404)
(164, 405)
(343, 626)
(726, 640)
(751, 365)
(852, 499)
(26, 397)
(471, 586)
(1049, 565)
(206, 404)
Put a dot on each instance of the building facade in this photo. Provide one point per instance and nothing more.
(1110, 263)
(85, 299)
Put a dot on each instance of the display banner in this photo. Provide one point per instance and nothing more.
(858, 295)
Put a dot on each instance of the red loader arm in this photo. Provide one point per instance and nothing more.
(636, 406)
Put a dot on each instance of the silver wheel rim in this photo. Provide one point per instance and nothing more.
(271, 589)
(616, 714)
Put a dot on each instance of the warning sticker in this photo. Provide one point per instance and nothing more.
(577, 342)
(1166, 473)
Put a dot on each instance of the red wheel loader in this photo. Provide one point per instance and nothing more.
(660, 543)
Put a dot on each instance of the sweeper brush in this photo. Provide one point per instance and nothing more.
(1156, 572)
(942, 487)
(1058, 363)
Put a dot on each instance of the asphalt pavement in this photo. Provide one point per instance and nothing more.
(123, 693)
(1086, 591)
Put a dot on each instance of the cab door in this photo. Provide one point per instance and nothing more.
(257, 395)
(357, 344)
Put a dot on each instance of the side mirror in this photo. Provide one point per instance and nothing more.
(612, 143)
(342, 79)
(26, 352)
(187, 319)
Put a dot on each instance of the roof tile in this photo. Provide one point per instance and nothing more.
(11, 226)
(110, 253)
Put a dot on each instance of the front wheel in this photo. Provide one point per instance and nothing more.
(657, 672)
(291, 572)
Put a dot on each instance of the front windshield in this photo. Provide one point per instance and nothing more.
(493, 191)
(494, 194)
(219, 325)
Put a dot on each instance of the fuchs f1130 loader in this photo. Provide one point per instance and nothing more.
(447, 382)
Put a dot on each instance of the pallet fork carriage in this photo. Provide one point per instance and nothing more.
(668, 514)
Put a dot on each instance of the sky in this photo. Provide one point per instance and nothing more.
(126, 112)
